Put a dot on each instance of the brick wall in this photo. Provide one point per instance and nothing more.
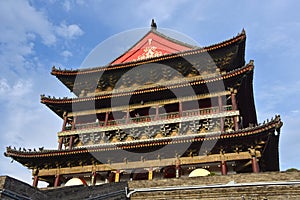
(246, 192)
(13, 189)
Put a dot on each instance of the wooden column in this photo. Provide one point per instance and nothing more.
(94, 178)
(71, 142)
(180, 108)
(223, 167)
(60, 142)
(35, 181)
(117, 176)
(106, 119)
(150, 174)
(57, 180)
(234, 107)
(220, 102)
(74, 123)
(255, 166)
(157, 112)
(127, 117)
(63, 128)
(73, 128)
(177, 166)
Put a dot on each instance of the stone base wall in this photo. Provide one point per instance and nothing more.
(271, 185)
(233, 187)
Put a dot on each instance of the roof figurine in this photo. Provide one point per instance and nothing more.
(153, 25)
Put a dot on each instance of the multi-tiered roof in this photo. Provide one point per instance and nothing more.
(158, 105)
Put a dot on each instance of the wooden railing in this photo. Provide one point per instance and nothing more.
(148, 118)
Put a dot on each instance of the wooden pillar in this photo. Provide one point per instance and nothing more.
(71, 142)
(177, 166)
(233, 101)
(150, 174)
(255, 166)
(57, 180)
(60, 142)
(63, 128)
(223, 167)
(74, 123)
(117, 176)
(234, 107)
(127, 117)
(106, 119)
(94, 178)
(157, 112)
(180, 108)
(73, 128)
(35, 181)
(220, 103)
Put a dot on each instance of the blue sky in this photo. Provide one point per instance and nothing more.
(35, 35)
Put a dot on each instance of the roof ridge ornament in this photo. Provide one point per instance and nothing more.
(153, 25)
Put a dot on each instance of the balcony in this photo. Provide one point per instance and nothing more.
(140, 121)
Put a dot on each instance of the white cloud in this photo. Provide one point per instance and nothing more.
(69, 31)
(66, 54)
(67, 5)
(14, 91)
(20, 19)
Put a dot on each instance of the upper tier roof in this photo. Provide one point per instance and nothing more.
(230, 79)
(227, 55)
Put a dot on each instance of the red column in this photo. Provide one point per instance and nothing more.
(177, 166)
(106, 119)
(72, 137)
(233, 101)
(35, 181)
(71, 142)
(60, 142)
(64, 124)
(223, 167)
(157, 112)
(180, 108)
(94, 178)
(234, 107)
(220, 102)
(57, 181)
(255, 166)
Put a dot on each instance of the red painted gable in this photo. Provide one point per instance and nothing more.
(151, 45)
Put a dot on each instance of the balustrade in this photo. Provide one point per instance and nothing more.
(149, 118)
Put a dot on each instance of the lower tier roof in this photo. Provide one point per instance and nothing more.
(150, 149)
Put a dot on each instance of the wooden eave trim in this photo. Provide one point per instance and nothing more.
(228, 75)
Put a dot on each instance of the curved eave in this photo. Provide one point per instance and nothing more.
(228, 75)
(242, 135)
(240, 37)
